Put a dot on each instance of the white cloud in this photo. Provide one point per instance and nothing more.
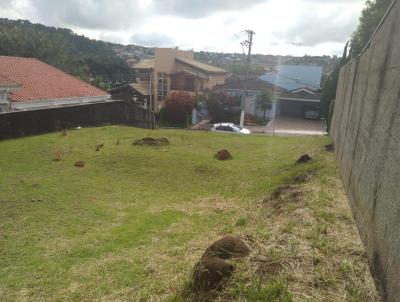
(320, 26)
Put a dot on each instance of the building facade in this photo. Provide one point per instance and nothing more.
(294, 91)
(175, 70)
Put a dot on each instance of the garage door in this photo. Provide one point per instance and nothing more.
(291, 108)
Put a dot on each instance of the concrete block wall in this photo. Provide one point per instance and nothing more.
(366, 133)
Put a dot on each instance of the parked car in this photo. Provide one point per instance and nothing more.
(312, 114)
(230, 128)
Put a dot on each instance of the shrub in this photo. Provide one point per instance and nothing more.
(220, 106)
(177, 107)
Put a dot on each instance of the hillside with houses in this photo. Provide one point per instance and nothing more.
(136, 170)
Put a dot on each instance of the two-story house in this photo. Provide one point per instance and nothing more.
(170, 70)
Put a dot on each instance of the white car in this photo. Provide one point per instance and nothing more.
(230, 128)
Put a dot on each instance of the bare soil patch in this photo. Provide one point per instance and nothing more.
(149, 141)
(303, 159)
(223, 155)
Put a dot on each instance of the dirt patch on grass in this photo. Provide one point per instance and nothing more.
(206, 170)
(305, 176)
(213, 271)
(201, 206)
(329, 148)
(226, 248)
(284, 195)
(210, 274)
(303, 159)
(149, 141)
(313, 248)
(223, 155)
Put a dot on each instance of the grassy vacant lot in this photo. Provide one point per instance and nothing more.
(131, 225)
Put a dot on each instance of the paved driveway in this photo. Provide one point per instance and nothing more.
(291, 126)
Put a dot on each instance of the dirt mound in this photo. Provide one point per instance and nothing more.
(227, 248)
(59, 155)
(80, 164)
(99, 146)
(211, 273)
(303, 159)
(149, 141)
(329, 148)
(223, 155)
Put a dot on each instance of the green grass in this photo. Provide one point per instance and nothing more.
(131, 224)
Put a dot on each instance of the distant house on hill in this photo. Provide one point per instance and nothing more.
(170, 70)
(294, 90)
(27, 83)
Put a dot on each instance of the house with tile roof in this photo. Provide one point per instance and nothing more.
(170, 70)
(295, 89)
(27, 83)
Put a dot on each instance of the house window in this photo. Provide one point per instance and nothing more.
(162, 79)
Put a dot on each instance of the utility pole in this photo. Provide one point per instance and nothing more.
(247, 44)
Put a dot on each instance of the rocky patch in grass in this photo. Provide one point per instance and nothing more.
(150, 141)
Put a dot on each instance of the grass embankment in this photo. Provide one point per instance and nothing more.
(132, 223)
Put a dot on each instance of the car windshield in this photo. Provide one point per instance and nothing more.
(237, 128)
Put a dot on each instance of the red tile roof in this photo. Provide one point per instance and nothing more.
(6, 82)
(41, 82)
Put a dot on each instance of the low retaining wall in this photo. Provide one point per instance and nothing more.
(366, 133)
(32, 122)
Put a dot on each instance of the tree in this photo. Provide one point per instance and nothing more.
(61, 48)
(369, 21)
(330, 86)
(220, 105)
(178, 105)
(264, 101)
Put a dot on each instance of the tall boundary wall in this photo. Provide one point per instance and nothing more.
(366, 132)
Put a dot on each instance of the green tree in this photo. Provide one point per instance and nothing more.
(264, 101)
(61, 48)
(330, 86)
(220, 105)
(369, 20)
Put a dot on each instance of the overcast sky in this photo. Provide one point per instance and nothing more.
(295, 27)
